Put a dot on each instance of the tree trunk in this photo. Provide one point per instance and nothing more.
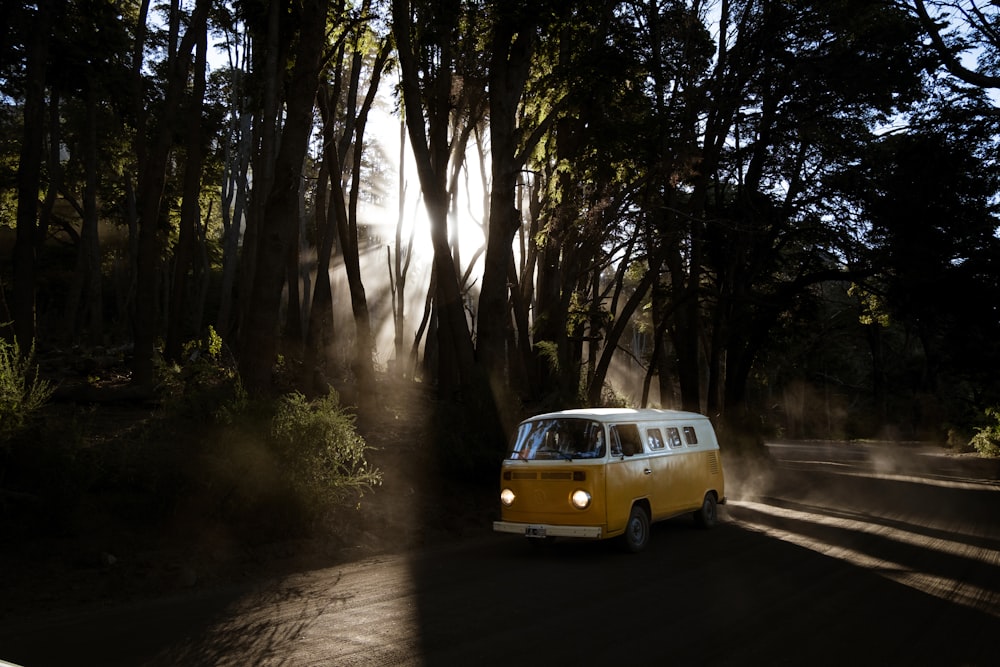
(259, 339)
(150, 199)
(319, 328)
(190, 219)
(400, 266)
(432, 150)
(364, 351)
(28, 176)
(621, 321)
(512, 49)
(264, 140)
(85, 302)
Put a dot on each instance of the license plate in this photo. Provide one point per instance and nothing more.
(534, 531)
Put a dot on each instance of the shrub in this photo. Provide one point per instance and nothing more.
(319, 448)
(204, 381)
(986, 441)
(22, 392)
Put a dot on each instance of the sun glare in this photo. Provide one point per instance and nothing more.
(380, 250)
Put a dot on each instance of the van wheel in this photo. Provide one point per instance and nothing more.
(708, 515)
(637, 529)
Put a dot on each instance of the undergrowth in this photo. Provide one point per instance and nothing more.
(206, 454)
(22, 392)
(986, 441)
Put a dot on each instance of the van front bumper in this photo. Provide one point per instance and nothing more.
(538, 530)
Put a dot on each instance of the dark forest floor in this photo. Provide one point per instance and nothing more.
(90, 550)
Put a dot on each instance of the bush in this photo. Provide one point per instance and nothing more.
(273, 469)
(986, 441)
(319, 449)
(202, 381)
(21, 390)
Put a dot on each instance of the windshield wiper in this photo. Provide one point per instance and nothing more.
(560, 454)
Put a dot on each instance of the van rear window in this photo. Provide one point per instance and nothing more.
(690, 435)
(655, 438)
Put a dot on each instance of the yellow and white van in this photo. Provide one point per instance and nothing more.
(607, 472)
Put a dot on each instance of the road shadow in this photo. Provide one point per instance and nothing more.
(862, 568)
(728, 596)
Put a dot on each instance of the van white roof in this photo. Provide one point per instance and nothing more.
(618, 414)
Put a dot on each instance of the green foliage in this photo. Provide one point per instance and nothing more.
(210, 344)
(986, 441)
(873, 307)
(205, 380)
(235, 404)
(549, 351)
(22, 392)
(318, 447)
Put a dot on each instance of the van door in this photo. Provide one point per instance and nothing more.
(673, 483)
(628, 474)
(661, 487)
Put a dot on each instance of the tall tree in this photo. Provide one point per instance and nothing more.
(362, 63)
(182, 306)
(962, 31)
(784, 104)
(514, 34)
(236, 140)
(258, 349)
(930, 195)
(152, 178)
(429, 36)
(28, 174)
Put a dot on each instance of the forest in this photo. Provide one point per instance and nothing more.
(779, 213)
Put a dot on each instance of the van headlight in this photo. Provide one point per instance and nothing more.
(580, 499)
(507, 497)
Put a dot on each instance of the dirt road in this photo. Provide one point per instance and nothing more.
(839, 554)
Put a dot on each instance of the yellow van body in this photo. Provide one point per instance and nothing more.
(608, 472)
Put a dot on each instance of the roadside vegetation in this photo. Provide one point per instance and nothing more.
(986, 441)
(265, 468)
(22, 391)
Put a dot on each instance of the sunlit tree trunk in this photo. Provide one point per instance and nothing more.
(622, 320)
(399, 263)
(349, 235)
(429, 137)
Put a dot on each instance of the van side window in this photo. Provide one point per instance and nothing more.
(626, 438)
(673, 437)
(690, 435)
(654, 438)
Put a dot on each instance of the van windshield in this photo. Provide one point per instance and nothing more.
(563, 438)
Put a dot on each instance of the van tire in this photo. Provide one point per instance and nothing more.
(636, 535)
(708, 515)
